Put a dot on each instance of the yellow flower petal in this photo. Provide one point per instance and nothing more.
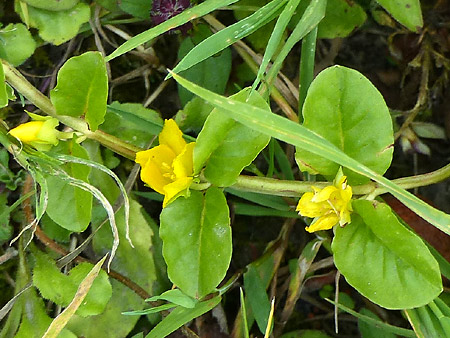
(323, 223)
(329, 206)
(157, 171)
(324, 194)
(172, 137)
(183, 163)
(171, 190)
(27, 132)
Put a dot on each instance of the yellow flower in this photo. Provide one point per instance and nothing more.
(168, 168)
(328, 206)
(40, 133)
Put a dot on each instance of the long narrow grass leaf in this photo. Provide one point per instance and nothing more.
(275, 38)
(314, 13)
(227, 36)
(295, 134)
(377, 323)
(182, 18)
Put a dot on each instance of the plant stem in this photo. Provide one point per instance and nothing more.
(307, 62)
(21, 84)
(270, 186)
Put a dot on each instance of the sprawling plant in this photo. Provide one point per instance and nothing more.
(226, 141)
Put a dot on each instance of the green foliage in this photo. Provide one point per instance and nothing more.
(257, 298)
(407, 12)
(8, 177)
(212, 73)
(362, 129)
(16, 44)
(227, 147)
(181, 316)
(431, 320)
(55, 27)
(372, 331)
(341, 18)
(82, 88)
(389, 273)
(132, 122)
(6, 229)
(61, 289)
(193, 115)
(197, 244)
(137, 8)
(69, 206)
(176, 297)
(52, 5)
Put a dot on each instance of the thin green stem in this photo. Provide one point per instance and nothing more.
(307, 62)
(270, 186)
(21, 84)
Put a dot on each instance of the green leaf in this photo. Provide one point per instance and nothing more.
(347, 110)
(295, 134)
(61, 288)
(256, 297)
(52, 5)
(229, 35)
(197, 244)
(56, 27)
(7, 176)
(178, 20)
(135, 263)
(181, 316)
(431, 320)
(70, 206)
(305, 334)
(138, 8)
(83, 290)
(395, 269)
(227, 146)
(314, 13)
(372, 331)
(132, 122)
(212, 73)
(6, 229)
(276, 38)
(3, 92)
(407, 12)
(341, 18)
(377, 323)
(82, 88)
(193, 115)
(16, 44)
(175, 296)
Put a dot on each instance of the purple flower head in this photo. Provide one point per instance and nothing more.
(163, 10)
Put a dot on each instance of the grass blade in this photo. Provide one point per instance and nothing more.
(186, 16)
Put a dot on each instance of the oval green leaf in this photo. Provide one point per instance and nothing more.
(227, 146)
(52, 5)
(346, 109)
(383, 260)
(407, 12)
(56, 27)
(196, 237)
(82, 88)
(68, 206)
(16, 44)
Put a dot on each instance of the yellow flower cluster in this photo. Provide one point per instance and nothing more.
(328, 206)
(168, 167)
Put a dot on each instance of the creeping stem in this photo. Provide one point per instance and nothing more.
(262, 185)
(21, 84)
